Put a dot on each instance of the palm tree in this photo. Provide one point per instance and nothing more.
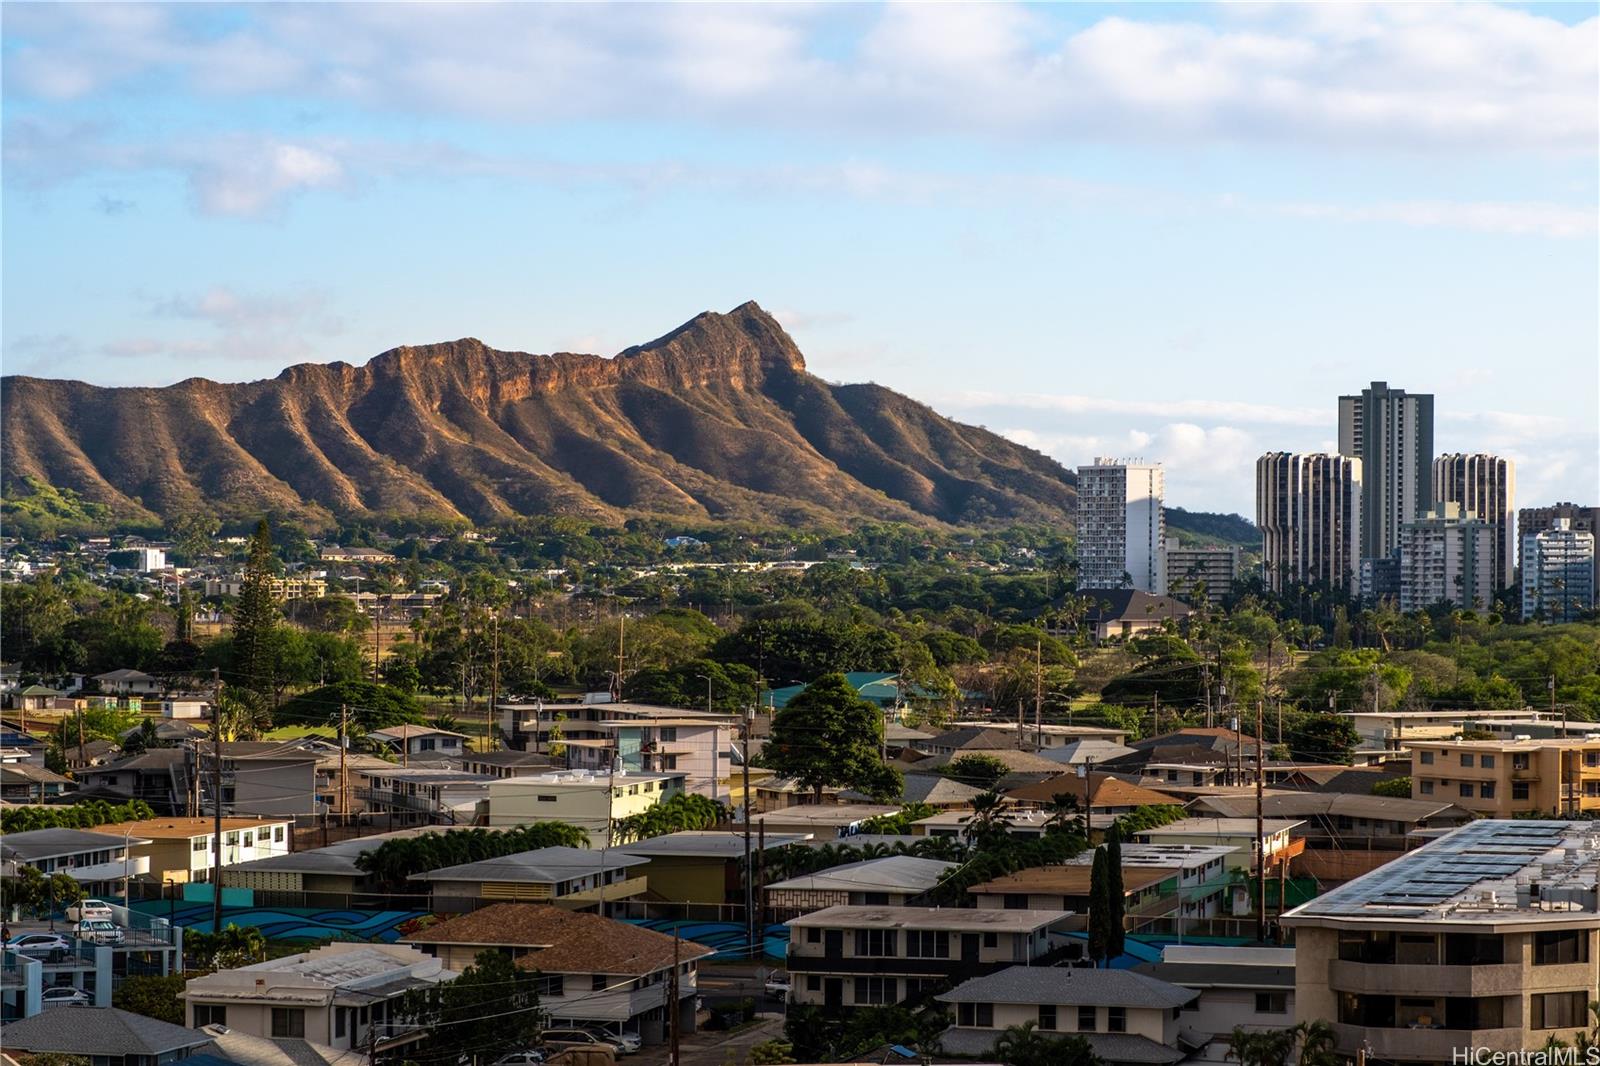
(1023, 1045)
(1064, 814)
(1260, 1047)
(1317, 1041)
(988, 820)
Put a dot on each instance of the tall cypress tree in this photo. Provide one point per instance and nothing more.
(1116, 901)
(1099, 907)
(255, 619)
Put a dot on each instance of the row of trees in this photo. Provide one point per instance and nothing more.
(393, 862)
(82, 815)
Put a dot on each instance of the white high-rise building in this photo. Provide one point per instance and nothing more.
(1391, 432)
(1486, 487)
(1308, 508)
(1121, 527)
(1447, 557)
(1557, 573)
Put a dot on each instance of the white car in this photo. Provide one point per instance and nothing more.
(65, 996)
(531, 1057)
(778, 987)
(90, 910)
(625, 1043)
(41, 945)
(100, 931)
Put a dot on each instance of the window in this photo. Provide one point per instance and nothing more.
(975, 1015)
(813, 936)
(597, 983)
(425, 744)
(231, 839)
(927, 944)
(669, 734)
(877, 991)
(1486, 790)
(1519, 790)
(1427, 758)
(1427, 787)
(552, 984)
(1086, 1019)
(1016, 901)
(1560, 1010)
(1561, 946)
(1047, 1017)
(210, 1014)
(1466, 789)
(876, 943)
(1466, 758)
(1272, 1003)
(1519, 760)
(1116, 1019)
(338, 1021)
(1486, 761)
(813, 983)
(199, 844)
(991, 940)
(289, 1021)
(277, 834)
(249, 840)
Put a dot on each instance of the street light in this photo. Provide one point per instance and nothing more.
(707, 680)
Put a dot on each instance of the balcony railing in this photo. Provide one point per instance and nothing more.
(853, 965)
(1424, 979)
(1424, 1045)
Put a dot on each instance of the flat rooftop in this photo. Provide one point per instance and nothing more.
(583, 778)
(892, 873)
(950, 918)
(1202, 827)
(1068, 880)
(1166, 856)
(174, 828)
(1587, 741)
(431, 775)
(1488, 872)
(823, 814)
(707, 844)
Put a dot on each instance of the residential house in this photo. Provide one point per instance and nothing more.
(420, 740)
(1086, 752)
(1044, 737)
(967, 739)
(593, 802)
(1125, 1017)
(508, 763)
(702, 866)
(829, 821)
(1020, 822)
(1238, 987)
(592, 971)
(35, 698)
(1343, 820)
(575, 877)
(1204, 880)
(1485, 938)
(893, 880)
(127, 683)
(99, 861)
(631, 736)
(90, 754)
(428, 794)
(781, 793)
(332, 995)
(935, 790)
(1102, 793)
(334, 554)
(159, 776)
(22, 783)
(332, 869)
(1279, 838)
(268, 777)
(102, 1036)
(233, 1048)
(874, 956)
(1120, 613)
(1148, 891)
(181, 850)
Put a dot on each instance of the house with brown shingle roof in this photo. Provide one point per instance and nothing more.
(1110, 794)
(592, 970)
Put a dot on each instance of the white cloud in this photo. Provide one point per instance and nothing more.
(1395, 75)
(1516, 219)
(1068, 403)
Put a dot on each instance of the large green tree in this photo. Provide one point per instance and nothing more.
(456, 1015)
(829, 737)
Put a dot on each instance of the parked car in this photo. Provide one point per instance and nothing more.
(530, 1057)
(562, 1038)
(778, 987)
(100, 932)
(625, 1043)
(51, 946)
(65, 996)
(90, 910)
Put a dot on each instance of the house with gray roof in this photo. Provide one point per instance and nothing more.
(1126, 1017)
(891, 880)
(541, 875)
(98, 860)
(106, 1036)
(1249, 988)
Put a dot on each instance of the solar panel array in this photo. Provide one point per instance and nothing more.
(1445, 869)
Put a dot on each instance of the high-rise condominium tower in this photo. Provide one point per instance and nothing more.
(1447, 556)
(1121, 528)
(1557, 573)
(1309, 510)
(1391, 432)
(1580, 519)
(1485, 487)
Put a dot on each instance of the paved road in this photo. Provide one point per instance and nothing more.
(713, 1049)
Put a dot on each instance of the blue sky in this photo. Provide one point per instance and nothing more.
(1166, 230)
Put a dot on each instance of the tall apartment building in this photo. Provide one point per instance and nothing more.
(1539, 519)
(1446, 557)
(1308, 508)
(1121, 528)
(1558, 571)
(1196, 572)
(1486, 487)
(1391, 432)
(1484, 940)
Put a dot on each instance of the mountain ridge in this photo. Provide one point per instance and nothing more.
(716, 419)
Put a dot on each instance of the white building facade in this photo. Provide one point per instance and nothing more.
(1447, 558)
(1121, 526)
(1557, 573)
(1308, 508)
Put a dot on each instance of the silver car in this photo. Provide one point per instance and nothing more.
(65, 996)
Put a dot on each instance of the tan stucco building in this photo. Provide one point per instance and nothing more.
(1506, 778)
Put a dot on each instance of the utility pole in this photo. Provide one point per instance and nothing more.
(344, 776)
(749, 871)
(675, 1007)
(216, 800)
(1261, 840)
(494, 683)
(82, 761)
(1088, 798)
(1038, 694)
(1155, 714)
(1205, 681)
